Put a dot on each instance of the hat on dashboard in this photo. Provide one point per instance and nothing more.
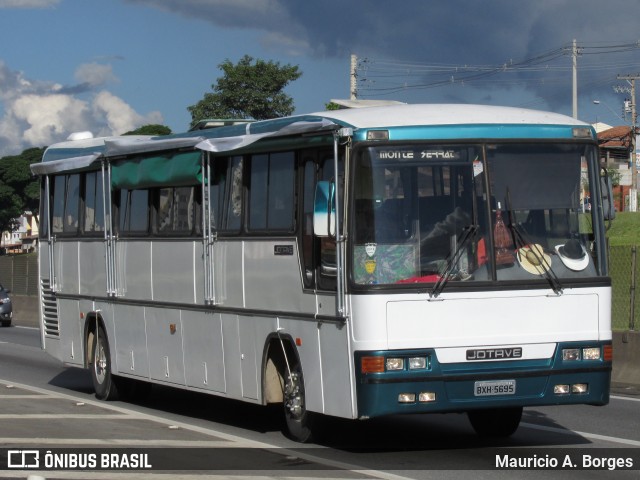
(573, 255)
(533, 259)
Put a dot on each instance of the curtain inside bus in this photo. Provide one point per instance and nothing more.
(174, 170)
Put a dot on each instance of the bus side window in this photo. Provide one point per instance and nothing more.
(93, 203)
(271, 192)
(219, 169)
(66, 204)
(175, 210)
(57, 208)
(233, 198)
(308, 189)
(226, 194)
(72, 204)
(44, 201)
(133, 211)
(327, 267)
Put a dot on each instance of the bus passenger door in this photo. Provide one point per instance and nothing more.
(319, 253)
(320, 279)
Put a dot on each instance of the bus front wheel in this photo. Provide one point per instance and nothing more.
(103, 381)
(498, 422)
(297, 418)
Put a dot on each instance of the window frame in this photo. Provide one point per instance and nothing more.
(155, 195)
(59, 207)
(271, 192)
(98, 198)
(122, 209)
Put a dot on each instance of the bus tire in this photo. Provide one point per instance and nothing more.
(297, 419)
(133, 390)
(104, 383)
(498, 422)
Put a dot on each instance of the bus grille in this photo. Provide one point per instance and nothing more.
(49, 309)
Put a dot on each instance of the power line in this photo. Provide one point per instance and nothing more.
(387, 77)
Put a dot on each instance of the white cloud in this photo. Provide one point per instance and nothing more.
(37, 113)
(12, 83)
(48, 117)
(95, 74)
(119, 116)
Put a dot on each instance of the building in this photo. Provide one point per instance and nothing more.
(615, 154)
(24, 238)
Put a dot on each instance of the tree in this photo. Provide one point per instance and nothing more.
(19, 190)
(331, 106)
(615, 176)
(248, 90)
(151, 129)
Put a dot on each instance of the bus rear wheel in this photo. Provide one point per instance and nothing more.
(104, 383)
(297, 419)
(498, 422)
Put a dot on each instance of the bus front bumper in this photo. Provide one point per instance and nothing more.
(460, 387)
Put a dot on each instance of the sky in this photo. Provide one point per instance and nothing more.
(110, 66)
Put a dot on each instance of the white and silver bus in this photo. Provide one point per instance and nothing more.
(353, 263)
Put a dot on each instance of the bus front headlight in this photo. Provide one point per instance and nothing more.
(571, 354)
(395, 364)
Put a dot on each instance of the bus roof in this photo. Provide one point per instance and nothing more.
(74, 155)
(446, 114)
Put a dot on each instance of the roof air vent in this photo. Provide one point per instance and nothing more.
(79, 136)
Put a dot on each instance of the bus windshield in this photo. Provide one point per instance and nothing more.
(468, 213)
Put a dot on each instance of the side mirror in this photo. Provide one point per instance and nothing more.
(606, 187)
(324, 210)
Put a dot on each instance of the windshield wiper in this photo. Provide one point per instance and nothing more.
(521, 240)
(468, 233)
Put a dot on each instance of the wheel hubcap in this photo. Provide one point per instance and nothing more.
(100, 365)
(294, 401)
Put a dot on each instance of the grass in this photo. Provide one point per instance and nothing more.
(625, 229)
(623, 234)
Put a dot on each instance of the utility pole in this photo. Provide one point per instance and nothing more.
(352, 76)
(633, 192)
(574, 56)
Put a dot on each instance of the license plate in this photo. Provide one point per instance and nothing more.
(495, 387)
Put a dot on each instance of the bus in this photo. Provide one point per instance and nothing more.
(354, 263)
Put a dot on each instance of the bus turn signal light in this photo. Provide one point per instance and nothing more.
(372, 364)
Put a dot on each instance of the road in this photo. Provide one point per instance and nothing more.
(44, 405)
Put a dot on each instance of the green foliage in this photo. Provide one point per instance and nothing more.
(250, 89)
(615, 175)
(332, 106)
(19, 190)
(625, 229)
(151, 129)
(620, 273)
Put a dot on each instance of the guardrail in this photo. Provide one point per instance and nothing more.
(19, 273)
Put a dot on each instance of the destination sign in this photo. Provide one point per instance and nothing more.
(418, 154)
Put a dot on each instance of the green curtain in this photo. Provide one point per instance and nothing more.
(172, 169)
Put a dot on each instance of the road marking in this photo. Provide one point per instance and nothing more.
(27, 328)
(115, 442)
(593, 436)
(38, 396)
(222, 438)
(55, 416)
(51, 474)
(628, 399)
